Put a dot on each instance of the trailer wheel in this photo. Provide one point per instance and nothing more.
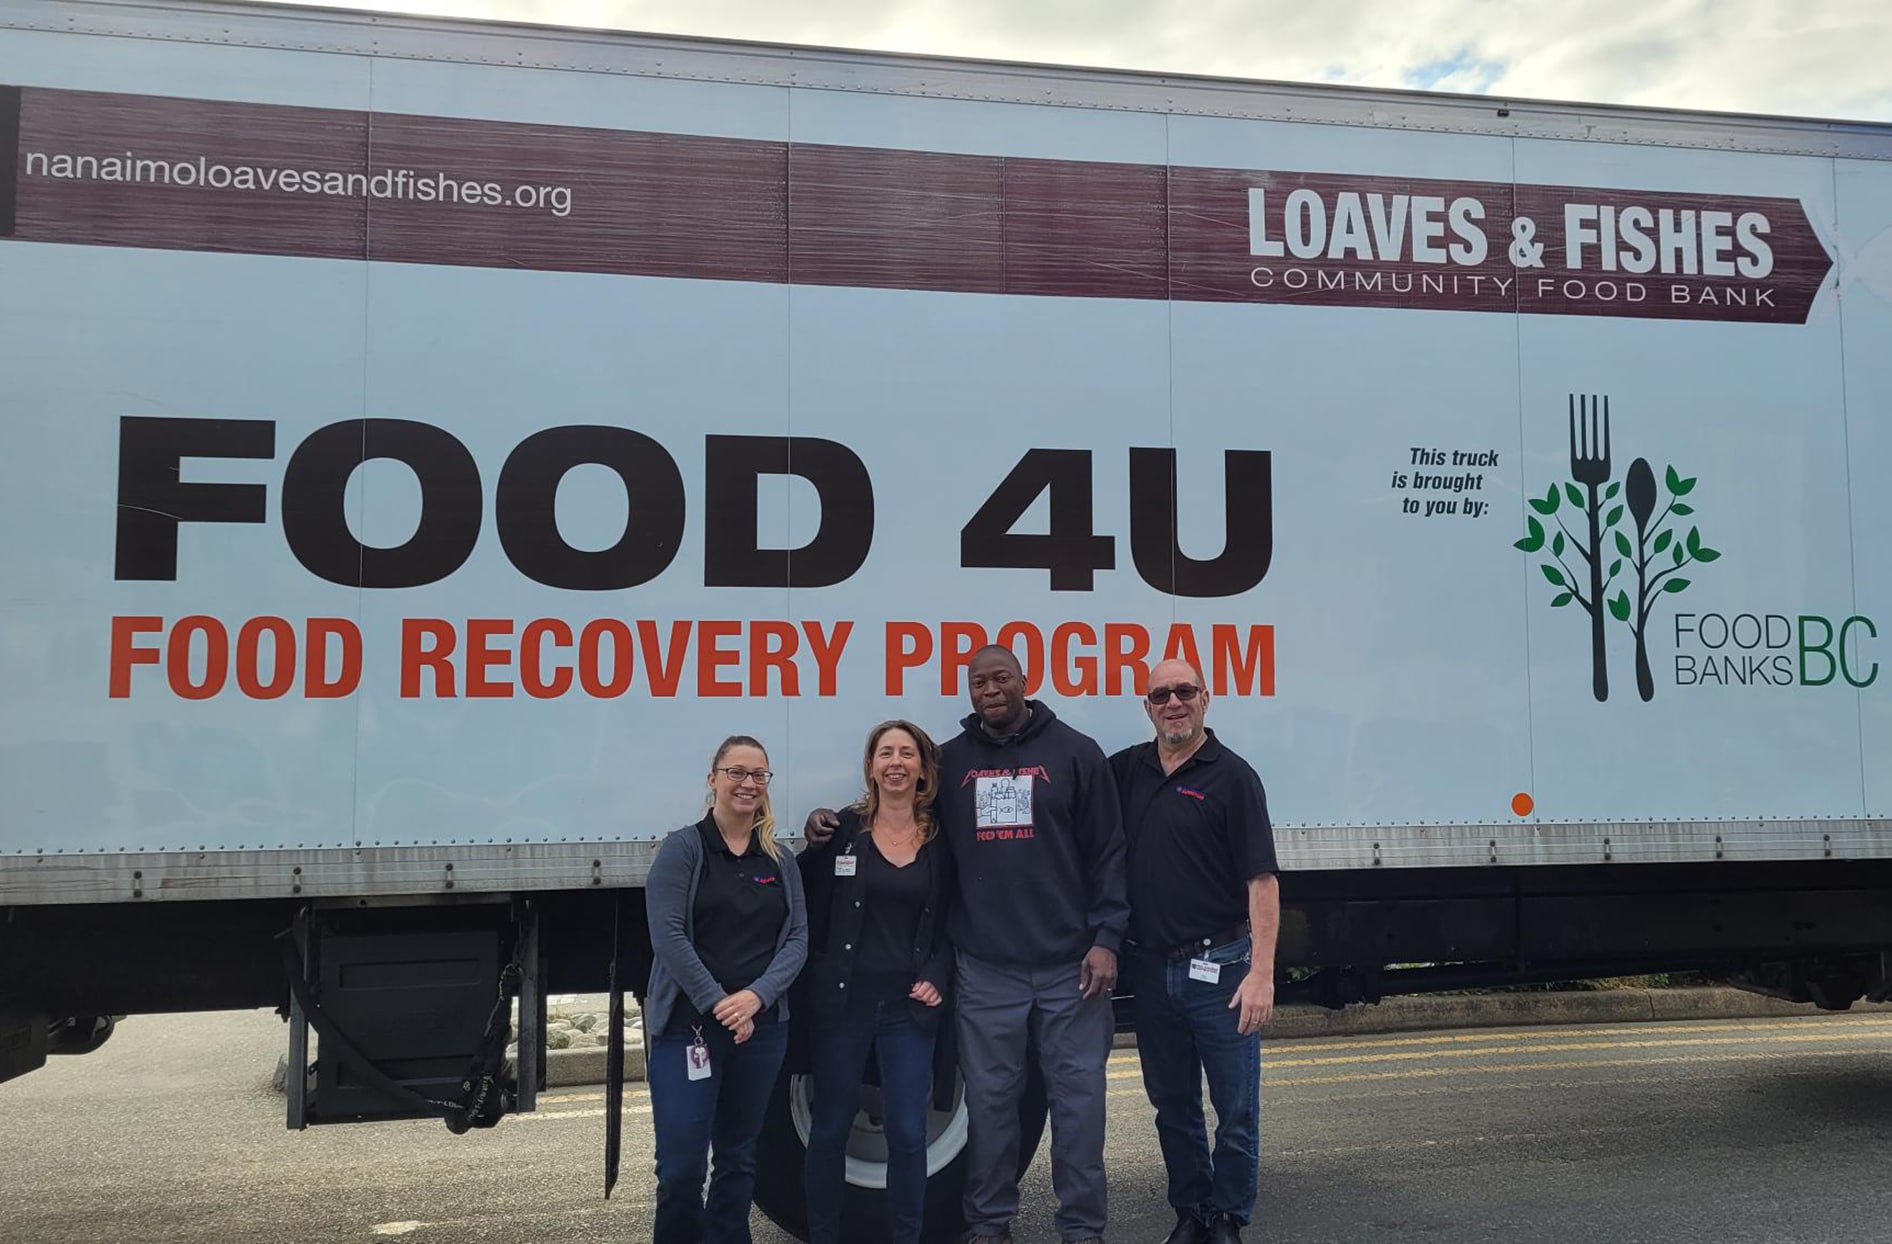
(783, 1145)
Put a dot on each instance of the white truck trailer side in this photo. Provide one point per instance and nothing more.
(425, 440)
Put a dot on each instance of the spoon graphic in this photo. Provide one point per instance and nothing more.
(1640, 491)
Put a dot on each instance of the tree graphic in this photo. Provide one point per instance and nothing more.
(1567, 585)
(1652, 540)
(1654, 556)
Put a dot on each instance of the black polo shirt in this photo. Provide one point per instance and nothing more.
(1196, 838)
(739, 910)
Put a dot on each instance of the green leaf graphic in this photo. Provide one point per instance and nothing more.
(1611, 491)
(1679, 508)
(1677, 552)
(1557, 545)
(1623, 545)
(1662, 541)
(1545, 505)
(1619, 606)
(1614, 517)
(1555, 575)
(1615, 566)
(1575, 495)
(1672, 479)
(1560, 600)
(1694, 541)
(1675, 585)
(1707, 554)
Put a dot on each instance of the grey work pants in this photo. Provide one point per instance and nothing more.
(1002, 1012)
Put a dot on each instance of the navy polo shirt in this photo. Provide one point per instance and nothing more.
(1196, 838)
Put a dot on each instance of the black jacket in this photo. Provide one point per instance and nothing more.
(834, 927)
(1036, 831)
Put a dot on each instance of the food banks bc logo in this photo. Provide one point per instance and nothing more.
(1596, 533)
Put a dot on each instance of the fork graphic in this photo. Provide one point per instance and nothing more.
(1590, 466)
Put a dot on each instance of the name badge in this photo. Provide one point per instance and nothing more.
(844, 865)
(697, 1059)
(1205, 971)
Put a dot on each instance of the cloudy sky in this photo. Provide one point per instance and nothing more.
(1827, 58)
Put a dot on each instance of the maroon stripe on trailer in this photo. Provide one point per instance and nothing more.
(140, 171)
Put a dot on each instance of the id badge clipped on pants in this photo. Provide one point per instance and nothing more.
(1205, 971)
(697, 1057)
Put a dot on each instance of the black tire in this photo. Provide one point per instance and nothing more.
(780, 1152)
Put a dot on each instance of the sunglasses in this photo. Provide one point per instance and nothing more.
(1186, 693)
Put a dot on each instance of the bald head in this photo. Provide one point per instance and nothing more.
(999, 653)
(1177, 703)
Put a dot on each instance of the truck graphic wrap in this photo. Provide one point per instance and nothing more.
(455, 469)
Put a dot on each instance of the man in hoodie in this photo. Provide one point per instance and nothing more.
(1029, 808)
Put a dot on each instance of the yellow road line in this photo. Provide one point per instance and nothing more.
(1431, 1073)
(1782, 1038)
(1530, 1034)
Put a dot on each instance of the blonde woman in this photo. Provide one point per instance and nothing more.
(729, 934)
(879, 971)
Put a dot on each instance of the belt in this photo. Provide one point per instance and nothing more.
(1197, 945)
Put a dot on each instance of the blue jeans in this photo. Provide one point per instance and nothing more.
(693, 1117)
(1184, 1029)
(905, 1055)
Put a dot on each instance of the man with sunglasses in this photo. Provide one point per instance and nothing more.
(1204, 909)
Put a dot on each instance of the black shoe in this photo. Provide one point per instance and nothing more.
(1223, 1229)
(1189, 1230)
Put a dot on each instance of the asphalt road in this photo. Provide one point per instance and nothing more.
(1759, 1130)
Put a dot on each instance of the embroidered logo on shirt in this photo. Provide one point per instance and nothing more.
(1191, 792)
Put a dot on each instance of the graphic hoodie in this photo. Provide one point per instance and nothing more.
(1036, 832)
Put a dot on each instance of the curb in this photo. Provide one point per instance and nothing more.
(569, 1068)
(1517, 1010)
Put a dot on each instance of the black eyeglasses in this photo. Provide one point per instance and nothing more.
(738, 775)
(1186, 693)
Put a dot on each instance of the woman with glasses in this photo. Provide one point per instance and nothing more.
(878, 975)
(729, 935)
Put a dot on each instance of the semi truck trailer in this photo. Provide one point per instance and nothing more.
(424, 440)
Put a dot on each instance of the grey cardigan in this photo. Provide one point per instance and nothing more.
(670, 906)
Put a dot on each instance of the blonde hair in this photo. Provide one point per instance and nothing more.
(765, 812)
(926, 789)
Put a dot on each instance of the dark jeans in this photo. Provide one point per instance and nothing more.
(693, 1117)
(1184, 1029)
(905, 1055)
